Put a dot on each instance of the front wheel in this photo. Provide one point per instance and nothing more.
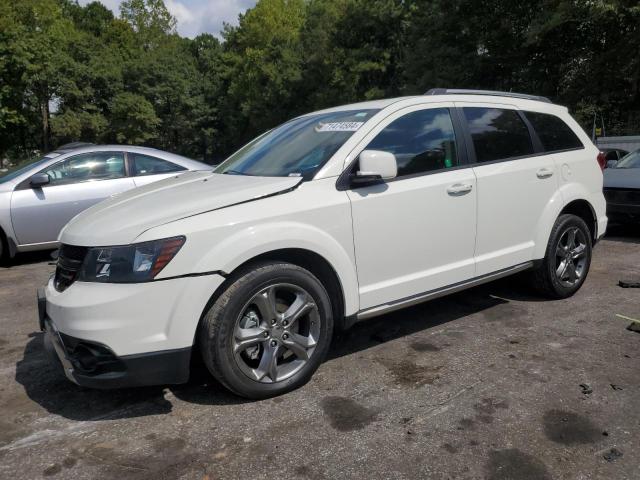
(567, 259)
(4, 249)
(268, 331)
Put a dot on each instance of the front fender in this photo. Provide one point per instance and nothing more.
(6, 227)
(257, 240)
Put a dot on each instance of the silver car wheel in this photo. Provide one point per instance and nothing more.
(276, 333)
(571, 257)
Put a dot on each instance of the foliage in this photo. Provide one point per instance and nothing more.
(133, 119)
(71, 72)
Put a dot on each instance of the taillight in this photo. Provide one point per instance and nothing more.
(602, 160)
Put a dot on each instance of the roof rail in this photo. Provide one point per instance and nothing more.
(460, 91)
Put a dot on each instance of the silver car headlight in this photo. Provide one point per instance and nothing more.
(139, 262)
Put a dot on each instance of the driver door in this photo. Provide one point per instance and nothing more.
(76, 183)
(415, 233)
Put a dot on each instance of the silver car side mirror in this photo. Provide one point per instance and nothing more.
(39, 179)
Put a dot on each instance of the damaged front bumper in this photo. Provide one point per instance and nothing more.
(90, 364)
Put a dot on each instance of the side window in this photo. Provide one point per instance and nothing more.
(422, 141)
(87, 167)
(611, 155)
(554, 134)
(497, 134)
(147, 165)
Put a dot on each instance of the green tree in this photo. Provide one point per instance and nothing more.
(353, 49)
(262, 68)
(150, 19)
(45, 37)
(133, 119)
(207, 52)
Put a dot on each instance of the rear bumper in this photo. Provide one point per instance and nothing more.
(603, 222)
(623, 211)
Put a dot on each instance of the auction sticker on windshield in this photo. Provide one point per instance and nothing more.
(339, 127)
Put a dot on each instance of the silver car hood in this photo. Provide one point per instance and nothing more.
(7, 186)
(120, 219)
(622, 178)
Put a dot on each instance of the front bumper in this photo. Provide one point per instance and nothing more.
(113, 336)
(95, 366)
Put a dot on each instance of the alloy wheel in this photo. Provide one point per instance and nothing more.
(571, 256)
(276, 333)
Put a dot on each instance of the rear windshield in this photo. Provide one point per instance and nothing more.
(298, 148)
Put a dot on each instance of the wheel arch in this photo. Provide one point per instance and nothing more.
(312, 261)
(571, 198)
(315, 263)
(584, 210)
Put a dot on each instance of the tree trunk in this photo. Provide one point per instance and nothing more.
(44, 109)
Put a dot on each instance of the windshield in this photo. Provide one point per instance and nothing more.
(22, 168)
(298, 148)
(630, 160)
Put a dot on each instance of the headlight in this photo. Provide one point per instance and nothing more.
(140, 262)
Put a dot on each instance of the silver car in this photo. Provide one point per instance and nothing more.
(622, 189)
(37, 200)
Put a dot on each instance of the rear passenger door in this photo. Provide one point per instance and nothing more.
(147, 169)
(415, 233)
(516, 182)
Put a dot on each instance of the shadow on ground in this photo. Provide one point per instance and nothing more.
(45, 384)
(28, 258)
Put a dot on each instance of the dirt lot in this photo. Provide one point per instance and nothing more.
(484, 384)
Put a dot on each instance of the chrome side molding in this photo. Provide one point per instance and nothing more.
(440, 292)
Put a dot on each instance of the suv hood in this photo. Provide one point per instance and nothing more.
(120, 219)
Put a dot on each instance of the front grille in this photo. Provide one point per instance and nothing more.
(622, 196)
(70, 260)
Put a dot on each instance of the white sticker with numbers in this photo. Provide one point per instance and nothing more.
(339, 127)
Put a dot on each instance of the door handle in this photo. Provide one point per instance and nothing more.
(459, 189)
(544, 173)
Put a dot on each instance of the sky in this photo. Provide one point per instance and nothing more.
(197, 16)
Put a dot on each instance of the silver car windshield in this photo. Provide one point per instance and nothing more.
(298, 148)
(22, 168)
(631, 160)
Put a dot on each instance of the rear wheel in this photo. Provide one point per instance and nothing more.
(269, 330)
(567, 260)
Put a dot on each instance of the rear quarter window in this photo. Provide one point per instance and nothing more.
(497, 134)
(148, 165)
(554, 134)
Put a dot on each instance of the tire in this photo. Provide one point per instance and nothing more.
(566, 263)
(4, 249)
(250, 340)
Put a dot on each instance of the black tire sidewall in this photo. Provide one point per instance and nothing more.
(226, 310)
(4, 249)
(562, 224)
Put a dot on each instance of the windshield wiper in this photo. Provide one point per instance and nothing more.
(233, 172)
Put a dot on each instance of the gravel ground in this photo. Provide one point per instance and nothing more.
(482, 384)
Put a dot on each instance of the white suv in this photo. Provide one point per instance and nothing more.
(332, 217)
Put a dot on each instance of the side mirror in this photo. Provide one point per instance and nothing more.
(39, 179)
(611, 164)
(375, 165)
